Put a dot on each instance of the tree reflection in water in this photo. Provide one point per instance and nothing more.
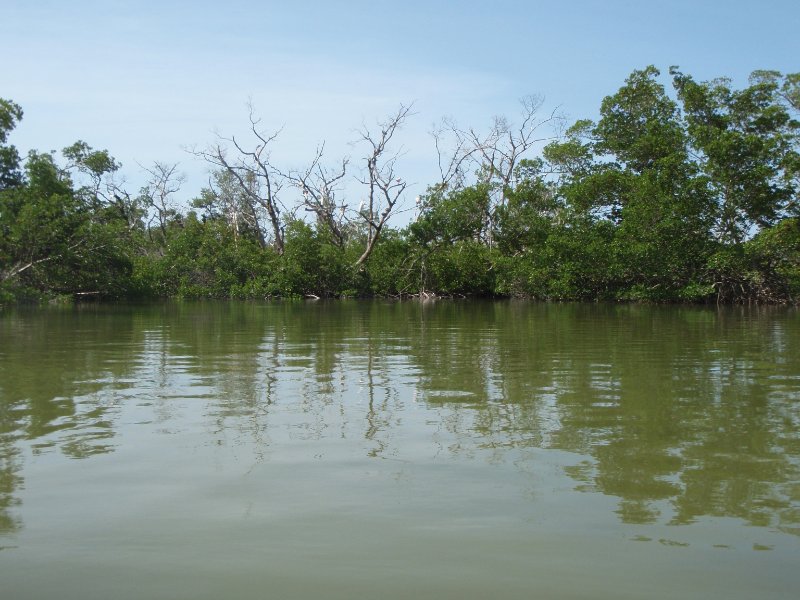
(680, 413)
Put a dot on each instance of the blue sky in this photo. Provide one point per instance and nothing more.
(147, 79)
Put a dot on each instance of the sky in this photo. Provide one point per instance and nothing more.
(149, 81)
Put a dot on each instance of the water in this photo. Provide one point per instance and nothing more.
(390, 450)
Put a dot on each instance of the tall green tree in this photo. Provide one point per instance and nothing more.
(746, 143)
(632, 168)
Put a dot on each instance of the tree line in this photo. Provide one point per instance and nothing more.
(686, 193)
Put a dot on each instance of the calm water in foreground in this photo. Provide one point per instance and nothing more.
(397, 450)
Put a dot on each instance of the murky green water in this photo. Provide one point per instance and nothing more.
(396, 450)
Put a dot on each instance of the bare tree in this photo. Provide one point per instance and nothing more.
(256, 177)
(383, 185)
(493, 155)
(318, 186)
(157, 195)
(224, 199)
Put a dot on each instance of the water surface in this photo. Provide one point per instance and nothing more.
(384, 450)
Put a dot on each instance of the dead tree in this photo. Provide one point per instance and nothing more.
(493, 156)
(318, 187)
(257, 179)
(164, 181)
(383, 185)
(223, 199)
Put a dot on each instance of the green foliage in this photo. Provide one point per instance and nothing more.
(203, 260)
(311, 265)
(639, 124)
(53, 243)
(748, 142)
(776, 252)
(572, 263)
(448, 252)
(450, 216)
(766, 268)
(463, 268)
(10, 174)
(733, 276)
(530, 212)
(641, 181)
(391, 270)
(95, 163)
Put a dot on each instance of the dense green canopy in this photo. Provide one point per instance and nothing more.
(684, 193)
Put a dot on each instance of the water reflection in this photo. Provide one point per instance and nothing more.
(677, 413)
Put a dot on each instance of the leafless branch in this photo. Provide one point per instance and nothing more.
(21, 267)
(164, 181)
(257, 178)
(384, 187)
(495, 154)
(318, 187)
